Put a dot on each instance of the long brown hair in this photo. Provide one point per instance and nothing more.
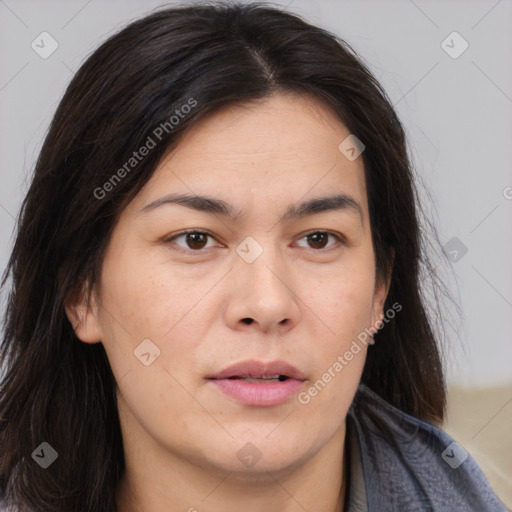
(59, 390)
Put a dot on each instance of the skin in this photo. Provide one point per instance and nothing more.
(308, 300)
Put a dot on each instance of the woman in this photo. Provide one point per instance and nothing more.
(215, 298)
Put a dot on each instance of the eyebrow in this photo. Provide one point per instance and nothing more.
(211, 205)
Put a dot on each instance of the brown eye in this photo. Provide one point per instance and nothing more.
(318, 240)
(194, 240)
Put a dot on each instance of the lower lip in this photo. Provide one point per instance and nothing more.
(259, 393)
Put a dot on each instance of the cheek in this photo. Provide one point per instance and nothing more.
(345, 310)
(344, 300)
(154, 302)
(343, 303)
(148, 300)
(345, 318)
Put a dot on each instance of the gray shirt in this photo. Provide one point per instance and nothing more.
(400, 463)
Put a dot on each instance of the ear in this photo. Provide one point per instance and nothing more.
(83, 316)
(379, 298)
(382, 286)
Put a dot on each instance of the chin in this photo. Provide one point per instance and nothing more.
(254, 456)
(264, 470)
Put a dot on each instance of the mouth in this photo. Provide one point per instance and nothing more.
(259, 384)
(265, 378)
(259, 370)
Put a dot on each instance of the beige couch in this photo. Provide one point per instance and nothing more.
(480, 420)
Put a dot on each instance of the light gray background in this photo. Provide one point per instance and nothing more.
(458, 114)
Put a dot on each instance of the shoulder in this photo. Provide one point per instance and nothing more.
(411, 465)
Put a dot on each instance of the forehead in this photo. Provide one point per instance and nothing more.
(283, 124)
(284, 146)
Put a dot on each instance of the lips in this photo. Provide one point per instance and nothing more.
(261, 371)
(259, 384)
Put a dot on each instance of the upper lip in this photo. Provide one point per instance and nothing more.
(258, 369)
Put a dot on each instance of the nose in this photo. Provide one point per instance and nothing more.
(264, 295)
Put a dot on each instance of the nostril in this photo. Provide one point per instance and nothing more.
(248, 321)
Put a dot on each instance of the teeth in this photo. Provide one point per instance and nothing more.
(277, 377)
(249, 379)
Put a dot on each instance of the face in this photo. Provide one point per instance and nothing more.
(195, 325)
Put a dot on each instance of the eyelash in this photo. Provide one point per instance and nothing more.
(338, 237)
